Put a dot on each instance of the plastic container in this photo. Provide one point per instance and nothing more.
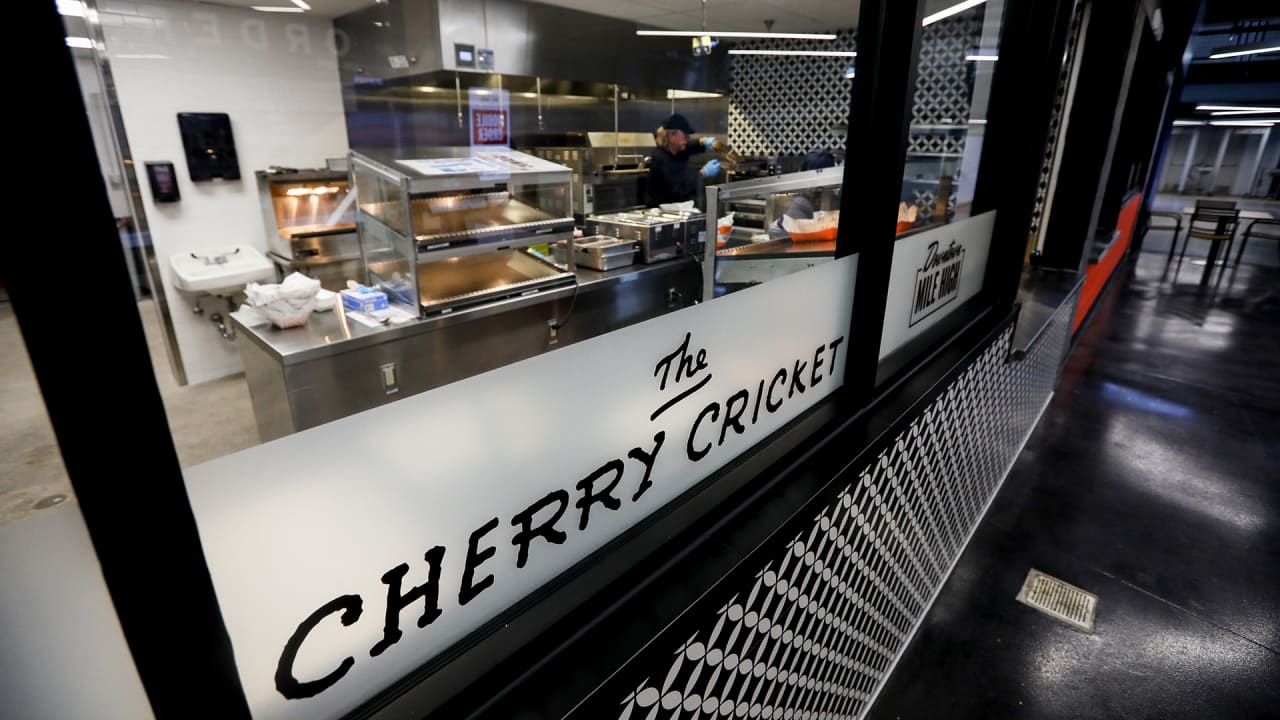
(364, 299)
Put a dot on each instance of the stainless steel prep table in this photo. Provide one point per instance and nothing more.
(334, 366)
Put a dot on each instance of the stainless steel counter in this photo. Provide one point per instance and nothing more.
(334, 366)
(329, 333)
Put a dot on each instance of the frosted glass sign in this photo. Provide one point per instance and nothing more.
(934, 273)
(348, 555)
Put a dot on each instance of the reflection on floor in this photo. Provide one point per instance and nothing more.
(207, 420)
(1151, 481)
(30, 463)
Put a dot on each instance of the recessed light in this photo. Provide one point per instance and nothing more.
(277, 8)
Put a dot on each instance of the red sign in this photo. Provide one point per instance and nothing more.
(489, 127)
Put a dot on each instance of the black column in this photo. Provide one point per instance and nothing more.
(888, 50)
(1033, 39)
(1112, 31)
(69, 283)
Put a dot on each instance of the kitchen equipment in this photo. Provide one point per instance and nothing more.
(609, 172)
(601, 252)
(310, 224)
(450, 228)
(774, 252)
(659, 235)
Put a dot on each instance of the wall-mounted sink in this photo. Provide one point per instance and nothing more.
(216, 269)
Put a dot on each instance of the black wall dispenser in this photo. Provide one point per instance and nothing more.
(209, 145)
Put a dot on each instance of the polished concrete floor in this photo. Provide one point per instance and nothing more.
(207, 420)
(1153, 481)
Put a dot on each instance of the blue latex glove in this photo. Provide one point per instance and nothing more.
(708, 142)
(711, 169)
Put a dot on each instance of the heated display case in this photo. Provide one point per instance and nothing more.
(452, 228)
(769, 245)
(309, 218)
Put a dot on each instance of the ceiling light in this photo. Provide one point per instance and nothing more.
(1238, 108)
(277, 8)
(1243, 123)
(953, 10)
(712, 33)
(1259, 111)
(806, 53)
(981, 58)
(72, 8)
(1237, 51)
(301, 4)
(426, 88)
(690, 95)
(79, 42)
(1188, 123)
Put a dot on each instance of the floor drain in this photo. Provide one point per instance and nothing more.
(51, 501)
(1055, 598)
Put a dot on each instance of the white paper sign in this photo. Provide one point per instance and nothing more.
(347, 555)
(934, 273)
(483, 160)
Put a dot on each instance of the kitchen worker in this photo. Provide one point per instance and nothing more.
(671, 179)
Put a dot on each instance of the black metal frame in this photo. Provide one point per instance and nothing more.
(101, 395)
(144, 531)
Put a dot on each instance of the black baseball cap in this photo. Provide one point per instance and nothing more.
(677, 122)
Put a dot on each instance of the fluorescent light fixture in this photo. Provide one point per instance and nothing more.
(690, 95)
(981, 58)
(1237, 109)
(712, 33)
(1220, 53)
(1188, 123)
(71, 8)
(301, 4)
(79, 42)
(797, 53)
(953, 10)
(1243, 123)
(977, 122)
(426, 88)
(277, 8)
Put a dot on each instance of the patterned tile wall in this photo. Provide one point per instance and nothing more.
(790, 105)
(810, 629)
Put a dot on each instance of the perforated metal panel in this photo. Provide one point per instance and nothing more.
(780, 105)
(787, 105)
(1056, 120)
(814, 629)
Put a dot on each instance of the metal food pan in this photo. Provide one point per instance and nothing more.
(471, 279)
(604, 253)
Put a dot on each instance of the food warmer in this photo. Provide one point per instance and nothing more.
(453, 227)
(310, 224)
(759, 254)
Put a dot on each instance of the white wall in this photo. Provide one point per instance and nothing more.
(275, 75)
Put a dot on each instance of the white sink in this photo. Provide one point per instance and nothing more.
(216, 269)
